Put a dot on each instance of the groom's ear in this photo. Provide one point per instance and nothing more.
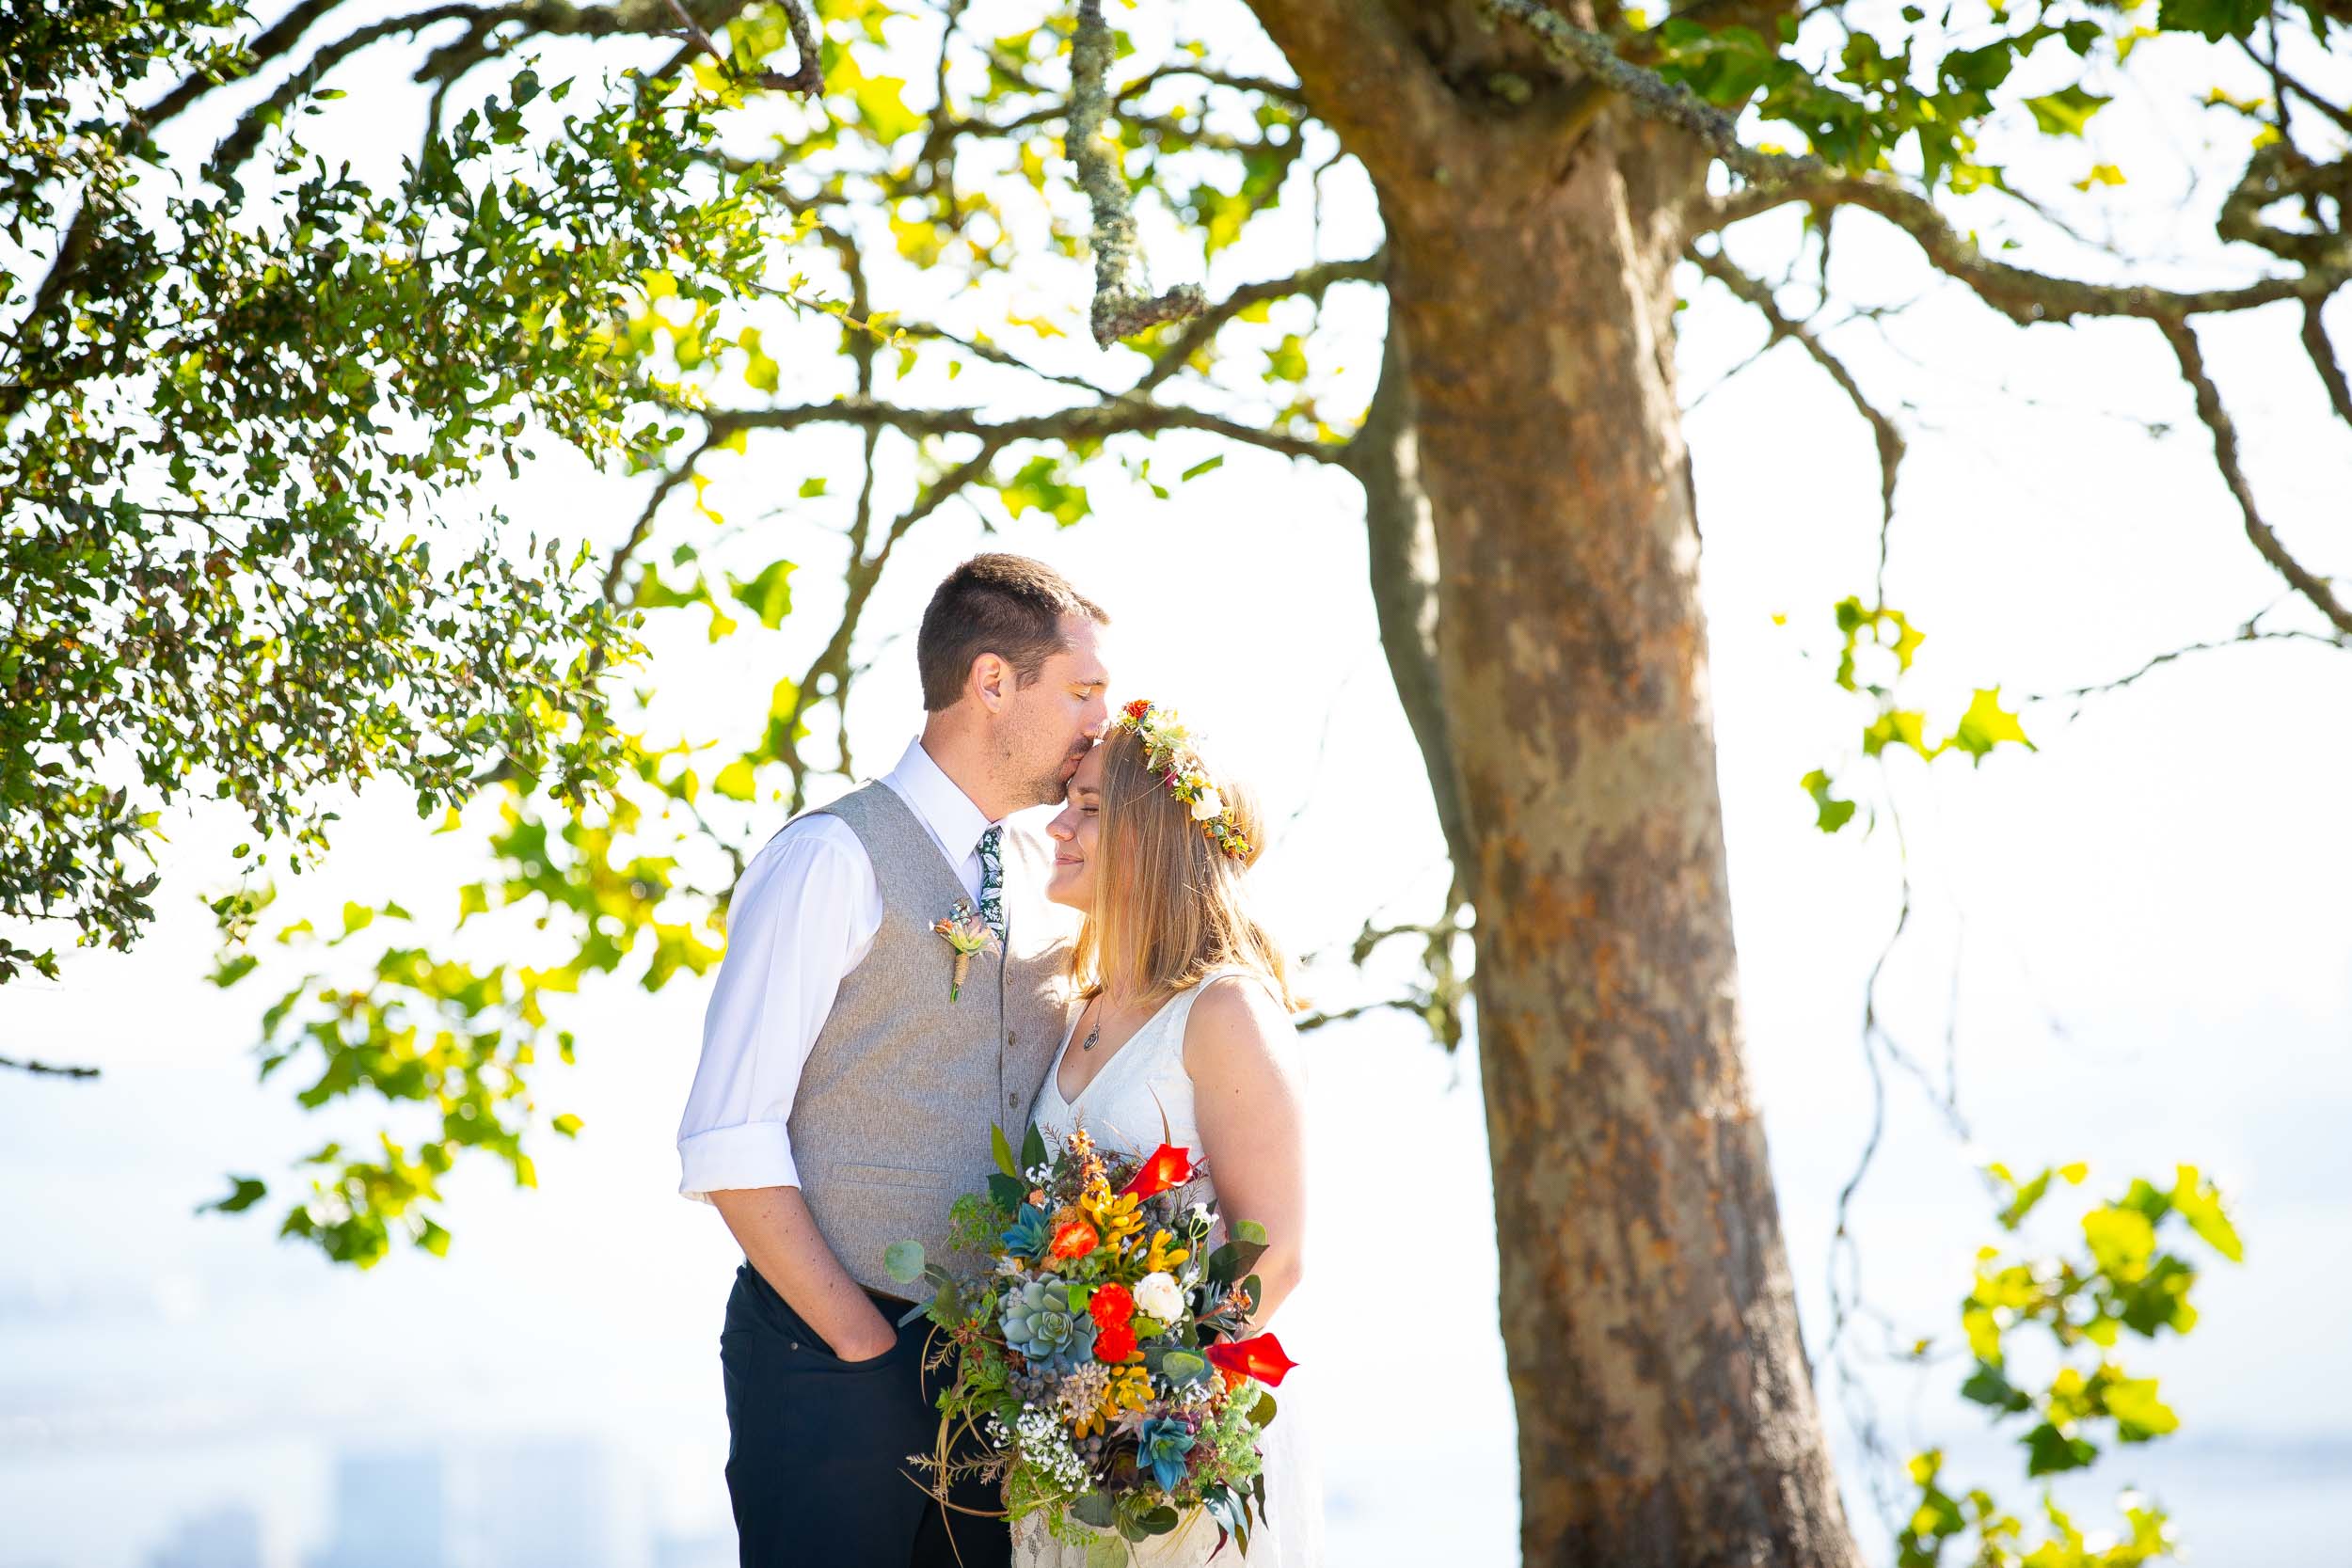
(991, 682)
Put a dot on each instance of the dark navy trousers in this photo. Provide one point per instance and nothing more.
(818, 1448)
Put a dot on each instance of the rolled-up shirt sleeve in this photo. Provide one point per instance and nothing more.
(804, 911)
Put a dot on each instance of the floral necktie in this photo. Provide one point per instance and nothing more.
(992, 880)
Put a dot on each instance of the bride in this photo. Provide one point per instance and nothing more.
(1186, 1027)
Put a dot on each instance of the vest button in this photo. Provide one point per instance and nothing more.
(1010, 1038)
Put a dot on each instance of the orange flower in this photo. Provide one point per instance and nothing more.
(1115, 1344)
(1074, 1239)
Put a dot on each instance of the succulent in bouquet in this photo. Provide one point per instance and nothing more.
(1103, 1364)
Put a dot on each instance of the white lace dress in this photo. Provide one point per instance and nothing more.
(1121, 1109)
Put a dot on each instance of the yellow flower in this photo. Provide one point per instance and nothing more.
(1163, 1257)
(1115, 1216)
(1131, 1388)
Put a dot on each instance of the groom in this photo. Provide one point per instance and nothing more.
(843, 1100)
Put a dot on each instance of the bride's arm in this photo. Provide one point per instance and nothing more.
(1240, 1050)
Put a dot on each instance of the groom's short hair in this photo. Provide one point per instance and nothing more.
(1007, 605)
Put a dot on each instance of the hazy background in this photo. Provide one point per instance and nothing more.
(2141, 932)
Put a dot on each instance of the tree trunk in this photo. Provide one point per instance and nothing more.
(1665, 1407)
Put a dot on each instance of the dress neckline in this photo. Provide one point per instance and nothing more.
(1062, 1055)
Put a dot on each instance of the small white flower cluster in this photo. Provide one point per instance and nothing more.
(1045, 1444)
(1039, 1175)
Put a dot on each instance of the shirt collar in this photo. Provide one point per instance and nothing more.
(939, 801)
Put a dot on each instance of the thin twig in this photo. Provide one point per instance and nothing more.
(48, 1070)
(2319, 589)
(807, 78)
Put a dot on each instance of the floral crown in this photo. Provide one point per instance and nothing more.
(1168, 751)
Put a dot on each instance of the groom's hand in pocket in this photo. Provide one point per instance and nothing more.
(779, 1235)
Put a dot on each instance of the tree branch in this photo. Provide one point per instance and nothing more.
(2318, 589)
(1648, 94)
(2324, 360)
(1776, 178)
(282, 35)
(2025, 297)
(560, 18)
(1203, 329)
(1118, 417)
(807, 78)
(45, 1070)
(1121, 308)
(2246, 633)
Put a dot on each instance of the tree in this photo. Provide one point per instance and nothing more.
(1544, 175)
(219, 398)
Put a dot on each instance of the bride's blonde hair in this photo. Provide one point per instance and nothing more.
(1170, 904)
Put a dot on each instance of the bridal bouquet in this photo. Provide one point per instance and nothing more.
(1101, 1362)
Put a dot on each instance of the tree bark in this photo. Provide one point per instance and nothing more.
(1666, 1406)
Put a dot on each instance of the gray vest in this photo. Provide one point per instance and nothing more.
(890, 1123)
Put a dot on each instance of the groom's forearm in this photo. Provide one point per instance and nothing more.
(780, 1237)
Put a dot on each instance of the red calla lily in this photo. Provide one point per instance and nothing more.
(1170, 1167)
(1261, 1357)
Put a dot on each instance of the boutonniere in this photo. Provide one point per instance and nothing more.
(967, 933)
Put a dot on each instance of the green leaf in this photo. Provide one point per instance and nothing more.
(1008, 1193)
(1002, 1152)
(244, 1194)
(1032, 1148)
(737, 780)
(904, 1261)
(2050, 1450)
(1989, 1385)
(1830, 813)
(569, 1124)
(2139, 1415)
(1986, 725)
(1040, 484)
(2121, 1239)
(769, 595)
(2065, 113)
(2214, 18)
(2200, 1203)
(1094, 1508)
(1207, 464)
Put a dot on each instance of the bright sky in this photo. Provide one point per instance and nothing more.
(2139, 930)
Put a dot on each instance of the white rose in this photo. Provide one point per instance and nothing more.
(1210, 804)
(1157, 1296)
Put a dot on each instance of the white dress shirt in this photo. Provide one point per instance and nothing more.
(804, 914)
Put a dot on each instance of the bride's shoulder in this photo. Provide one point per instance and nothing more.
(1236, 1023)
